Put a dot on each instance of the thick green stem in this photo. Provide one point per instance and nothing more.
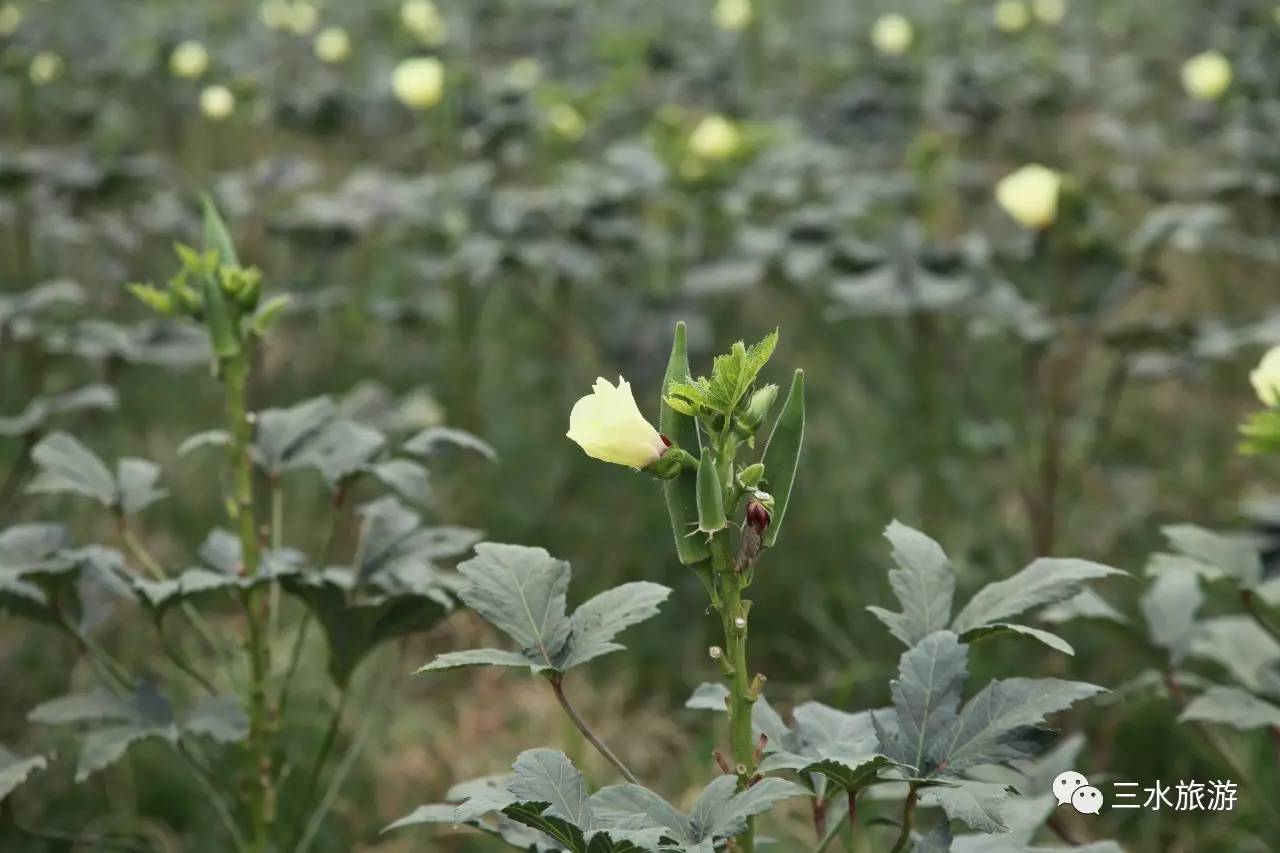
(235, 374)
(734, 612)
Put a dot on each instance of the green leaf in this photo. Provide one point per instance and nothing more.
(14, 771)
(201, 440)
(431, 439)
(1169, 607)
(546, 792)
(266, 316)
(996, 629)
(936, 840)
(93, 707)
(676, 423)
(408, 478)
(1232, 706)
(498, 825)
(711, 515)
(216, 235)
(66, 465)
(42, 409)
(600, 619)
(219, 718)
(103, 747)
(1217, 555)
(343, 448)
(1000, 723)
(1241, 647)
(136, 484)
(733, 374)
(926, 696)
(478, 657)
(1086, 604)
(782, 456)
(1047, 580)
(283, 435)
(720, 811)
(522, 592)
(977, 804)
(924, 584)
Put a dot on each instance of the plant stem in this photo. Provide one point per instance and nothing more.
(908, 816)
(277, 542)
(144, 557)
(1251, 604)
(235, 374)
(215, 798)
(557, 687)
(733, 612)
(330, 738)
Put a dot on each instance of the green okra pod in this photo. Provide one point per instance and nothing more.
(711, 516)
(782, 455)
(682, 430)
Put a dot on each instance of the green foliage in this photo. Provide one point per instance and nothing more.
(716, 399)
(522, 592)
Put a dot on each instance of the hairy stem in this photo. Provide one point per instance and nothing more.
(908, 818)
(235, 372)
(557, 687)
(733, 613)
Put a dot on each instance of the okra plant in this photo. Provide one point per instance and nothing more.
(229, 646)
(727, 508)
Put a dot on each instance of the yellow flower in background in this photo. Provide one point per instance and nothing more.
(419, 82)
(524, 73)
(733, 15)
(303, 18)
(1011, 16)
(1030, 195)
(275, 14)
(46, 66)
(1206, 76)
(1265, 378)
(892, 34)
(715, 138)
(566, 121)
(10, 19)
(189, 59)
(333, 45)
(423, 19)
(1050, 11)
(608, 426)
(217, 103)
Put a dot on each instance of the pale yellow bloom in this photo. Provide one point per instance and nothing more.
(1050, 11)
(46, 66)
(733, 15)
(1265, 378)
(892, 34)
(423, 19)
(608, 426)
(1011, 16)
(303, 18)
(275, 14)
(524, 73)
(333, 45)
(566, 121)
(189, 59)
(10, 19)
(217, 103)
(1206, 76)
(715, 138)
(1030, 195)
(419, 82)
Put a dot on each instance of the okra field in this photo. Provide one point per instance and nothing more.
(639, 426)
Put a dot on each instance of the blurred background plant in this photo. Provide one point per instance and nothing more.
(480, 207)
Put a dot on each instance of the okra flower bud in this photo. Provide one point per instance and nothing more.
(608, 426)
(748, 421)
